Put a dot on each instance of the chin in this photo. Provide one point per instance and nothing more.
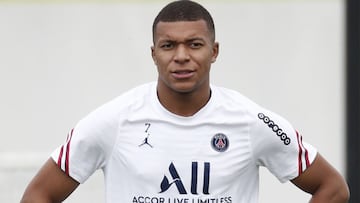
(183, 90)
(179, 87)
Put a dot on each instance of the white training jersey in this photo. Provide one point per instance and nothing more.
(150, 155)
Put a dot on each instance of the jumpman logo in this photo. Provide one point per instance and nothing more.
(146, 140)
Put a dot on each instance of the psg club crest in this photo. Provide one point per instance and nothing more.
(220, 142)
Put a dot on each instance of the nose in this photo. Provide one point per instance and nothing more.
(181, 54)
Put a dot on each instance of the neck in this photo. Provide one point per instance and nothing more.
(184, 104)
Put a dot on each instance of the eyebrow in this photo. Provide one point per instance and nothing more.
(185, 41)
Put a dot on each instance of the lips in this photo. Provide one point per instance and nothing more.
(182, 74)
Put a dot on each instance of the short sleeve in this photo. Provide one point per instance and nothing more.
(279, 147)
(88, 145)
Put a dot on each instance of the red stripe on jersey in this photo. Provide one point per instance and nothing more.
(301, 157)
(306, 155)
(68, 152)
(60, 156)
(300, 153)
(59, 162)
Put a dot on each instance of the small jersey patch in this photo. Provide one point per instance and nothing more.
(275, 128)
(220, 142)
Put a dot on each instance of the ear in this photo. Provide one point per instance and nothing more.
(153, 55)
(215, 52)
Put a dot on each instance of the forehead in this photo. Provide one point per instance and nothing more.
(181, 30)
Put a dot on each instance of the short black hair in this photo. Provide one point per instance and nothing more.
(184, 10)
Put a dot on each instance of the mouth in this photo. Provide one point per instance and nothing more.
(182, 74)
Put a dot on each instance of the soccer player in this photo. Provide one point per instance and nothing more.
(182, 139)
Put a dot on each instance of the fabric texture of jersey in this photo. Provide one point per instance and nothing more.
(149, 154)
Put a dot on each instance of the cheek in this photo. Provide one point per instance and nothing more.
(205, 60)
(161, 66)
(162, 60)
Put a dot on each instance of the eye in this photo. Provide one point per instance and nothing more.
(196, 45)
(167, 45)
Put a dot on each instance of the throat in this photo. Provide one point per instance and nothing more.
(184, 104)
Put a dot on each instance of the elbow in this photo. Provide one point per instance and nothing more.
(340, 194)
(344, 194)
(34, 197)
(332, 192)
(26, 199)
(341, 197)
(34, 200)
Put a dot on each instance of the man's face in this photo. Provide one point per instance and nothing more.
(183, 52)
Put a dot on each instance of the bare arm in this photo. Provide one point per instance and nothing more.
(324, 183)
(50, 185)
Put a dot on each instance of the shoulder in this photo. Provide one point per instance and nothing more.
(262, 122)
(233, 101)
(135, 95)
(109, 114)
(129, 100)
(100, 126)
